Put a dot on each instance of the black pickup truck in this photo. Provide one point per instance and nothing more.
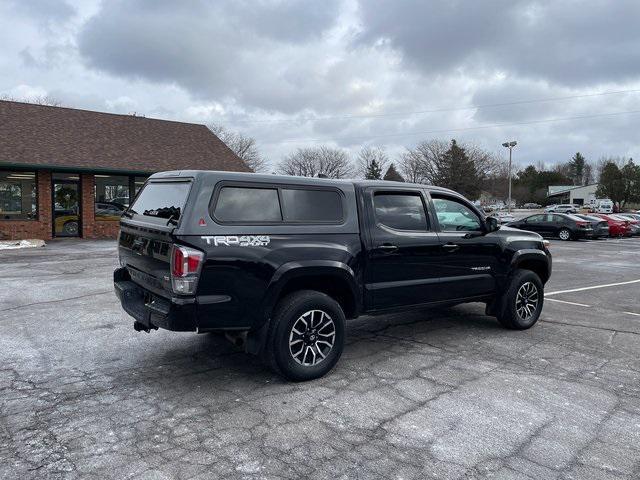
(279, 263)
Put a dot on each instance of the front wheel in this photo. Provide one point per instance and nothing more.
(306, 336)
(564, 234)
(521, 304)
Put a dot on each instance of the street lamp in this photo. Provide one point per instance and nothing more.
(510, 146)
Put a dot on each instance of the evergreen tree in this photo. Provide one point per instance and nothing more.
(374, 171)
(611, 184)
(371, 162)
(393, 175)
(577, 169)
(631, 181)
(458, 172)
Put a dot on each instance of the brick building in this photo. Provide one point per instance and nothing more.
(70, 173)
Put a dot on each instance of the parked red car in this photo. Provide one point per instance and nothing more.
(634, 223)
(617, 227)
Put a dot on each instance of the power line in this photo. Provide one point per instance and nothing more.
(435, 110)
(453, 130)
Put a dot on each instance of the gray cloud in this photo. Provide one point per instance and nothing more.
(253, 51)
(569, 43)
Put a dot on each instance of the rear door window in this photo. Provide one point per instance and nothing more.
(248, 205)
(163, 200)
(400, 211)
(300, 205)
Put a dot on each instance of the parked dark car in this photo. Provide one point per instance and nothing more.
(600, 227)
(279, 263)
(561, 225)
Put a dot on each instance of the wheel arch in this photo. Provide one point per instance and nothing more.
(535, 261)
(333, 278)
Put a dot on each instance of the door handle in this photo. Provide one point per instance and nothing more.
(450, 247)
(387, 247)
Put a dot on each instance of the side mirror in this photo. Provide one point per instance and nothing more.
(492, 224)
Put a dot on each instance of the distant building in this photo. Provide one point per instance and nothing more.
(574, 194)
(69, 173)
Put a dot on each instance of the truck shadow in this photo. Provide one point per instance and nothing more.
(439, 329)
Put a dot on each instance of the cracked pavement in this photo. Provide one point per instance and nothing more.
(441, 393)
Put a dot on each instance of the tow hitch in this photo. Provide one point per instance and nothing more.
(141, 327)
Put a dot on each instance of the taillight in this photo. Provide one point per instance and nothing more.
(185, 267)
(582, 224)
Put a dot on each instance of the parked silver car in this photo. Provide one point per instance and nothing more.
(562, 208)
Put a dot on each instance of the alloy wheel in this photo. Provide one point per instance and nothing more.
(312, 338)
(527, 300)
(564, 234)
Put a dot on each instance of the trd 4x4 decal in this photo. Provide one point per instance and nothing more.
(235, 240)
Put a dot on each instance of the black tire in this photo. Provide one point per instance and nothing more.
(280, 356)
(564, 234)
(510, 311)
(70, 227)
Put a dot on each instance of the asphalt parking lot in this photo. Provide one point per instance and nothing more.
(434, 394)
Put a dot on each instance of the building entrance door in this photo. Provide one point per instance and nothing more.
(66, 205)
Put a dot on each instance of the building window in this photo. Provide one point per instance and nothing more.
(18, 195)
(111, 196)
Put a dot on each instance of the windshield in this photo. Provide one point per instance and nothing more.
(161, 200)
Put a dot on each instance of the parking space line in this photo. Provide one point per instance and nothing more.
(591, 288)
(569, 303)
(632, 313)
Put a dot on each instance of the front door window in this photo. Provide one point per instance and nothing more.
(66, 205)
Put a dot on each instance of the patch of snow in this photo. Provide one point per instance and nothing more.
(15, 244)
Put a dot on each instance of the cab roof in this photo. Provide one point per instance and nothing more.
(266, 178)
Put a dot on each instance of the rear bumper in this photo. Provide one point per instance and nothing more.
(152, 311)
(586, 233)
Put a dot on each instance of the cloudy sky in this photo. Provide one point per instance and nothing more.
(344, 72)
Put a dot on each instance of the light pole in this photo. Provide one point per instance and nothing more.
(510, 146)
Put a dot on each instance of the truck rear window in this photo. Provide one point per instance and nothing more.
(262, 205)
(311, 205)
(240, 204)
(161, 200)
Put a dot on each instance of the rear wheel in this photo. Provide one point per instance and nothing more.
(306, 336)
(521, 304)
(564, 234)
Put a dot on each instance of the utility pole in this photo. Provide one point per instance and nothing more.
(510, 146)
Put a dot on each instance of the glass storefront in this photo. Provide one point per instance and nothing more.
(18, 195)
(113, 194)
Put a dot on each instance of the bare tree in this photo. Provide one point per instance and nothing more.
(425, 162)
(587, 178)
(410, 163)
(371, 162)
(242, 145)
(35, 100)
(311, 162)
